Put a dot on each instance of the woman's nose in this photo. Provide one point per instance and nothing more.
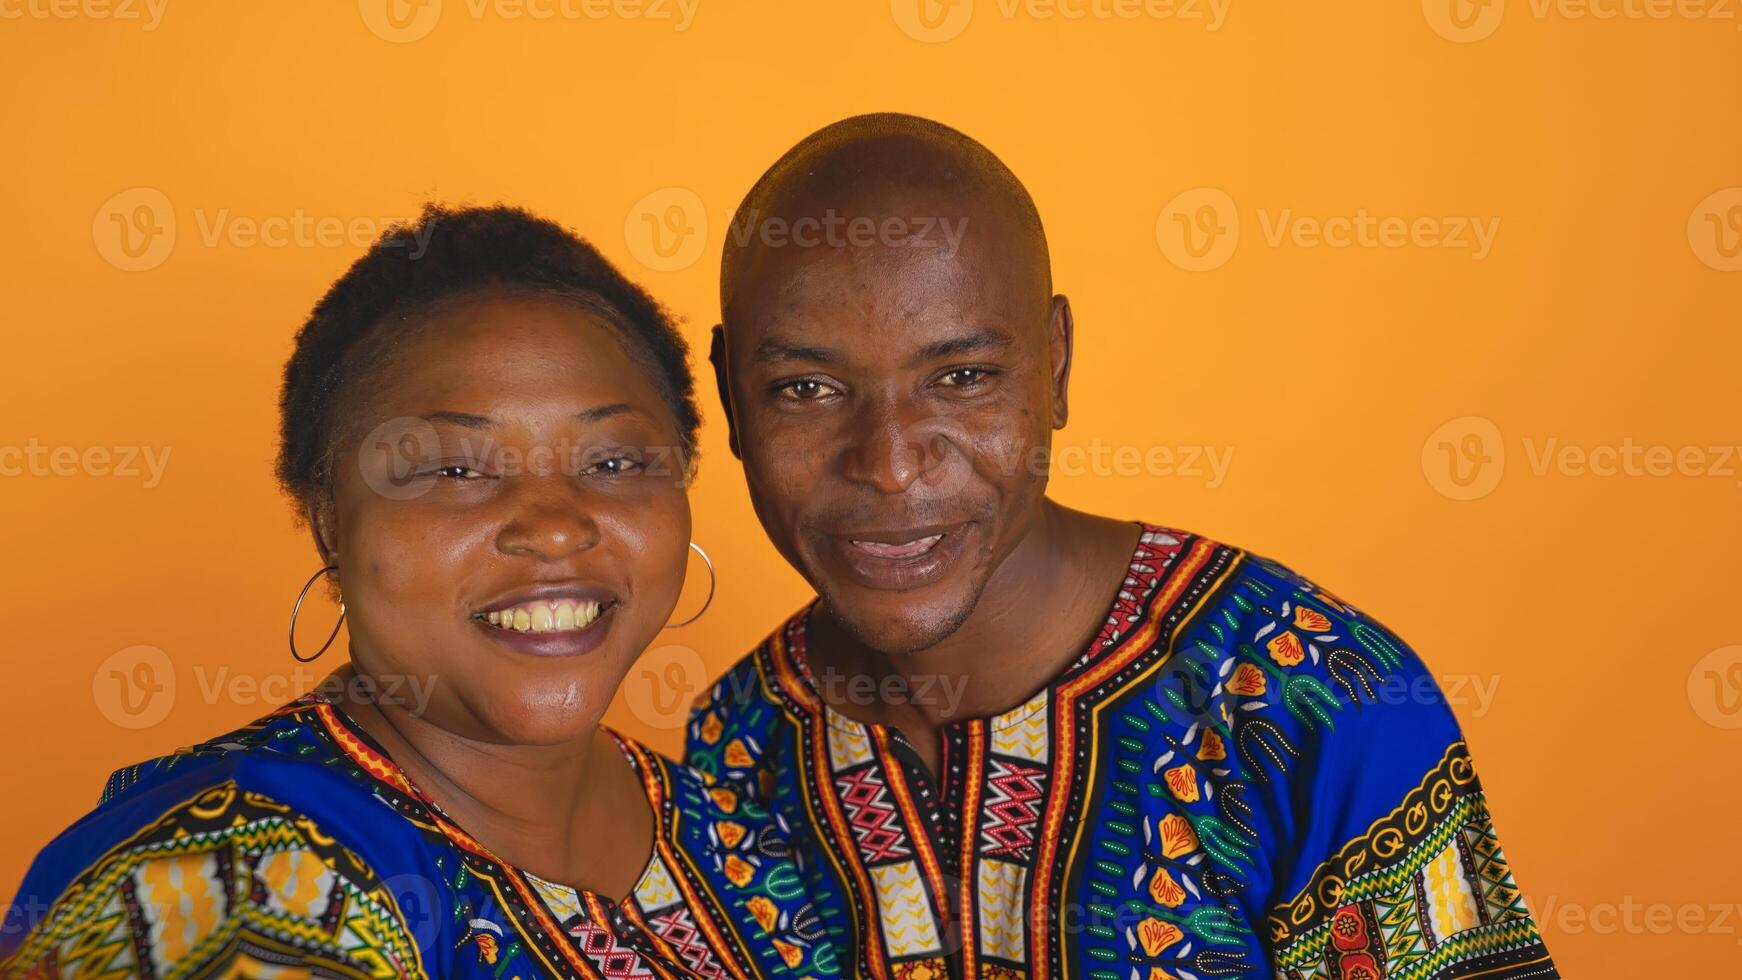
(548, 523)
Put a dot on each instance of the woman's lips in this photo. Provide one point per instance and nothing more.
(549, 627)
(544, 615)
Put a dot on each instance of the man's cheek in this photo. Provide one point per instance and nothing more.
(788, 466)
(1006, 455)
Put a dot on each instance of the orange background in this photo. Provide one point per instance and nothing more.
(1597, 317)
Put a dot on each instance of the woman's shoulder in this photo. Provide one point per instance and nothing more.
(289, 742)
(301, 759)
(264, 842)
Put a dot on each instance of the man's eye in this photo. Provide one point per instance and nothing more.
(806, 390)
(963, 377)
(614, 466)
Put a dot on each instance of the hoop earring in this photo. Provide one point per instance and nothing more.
(298, 608)
(712, 581)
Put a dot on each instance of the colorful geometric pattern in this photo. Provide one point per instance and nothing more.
(225, 876)
(1014, 790)
(871, 814)
(1231, 735)
(678, 928)
(1427, 884)
(909, 929)
(295, 847)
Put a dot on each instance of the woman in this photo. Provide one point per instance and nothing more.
(489, 431)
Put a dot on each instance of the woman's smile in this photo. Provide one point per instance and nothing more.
(550, 620)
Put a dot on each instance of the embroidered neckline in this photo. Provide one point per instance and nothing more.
(1136, 590)
(376, 765)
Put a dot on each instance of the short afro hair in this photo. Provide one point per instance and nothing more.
(446, 254)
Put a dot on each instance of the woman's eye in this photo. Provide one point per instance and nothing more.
(963, 377)
(455, 471)
(614, 466)
(806, 390)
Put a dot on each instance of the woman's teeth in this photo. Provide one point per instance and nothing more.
(544, 616)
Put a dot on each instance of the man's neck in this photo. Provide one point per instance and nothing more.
(1039, 611)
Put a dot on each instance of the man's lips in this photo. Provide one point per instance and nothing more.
(910, 548)
(901, 558)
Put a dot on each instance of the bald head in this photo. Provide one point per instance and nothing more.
(884, 180)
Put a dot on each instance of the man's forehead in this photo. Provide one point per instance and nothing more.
(965, 271)
(893, 293)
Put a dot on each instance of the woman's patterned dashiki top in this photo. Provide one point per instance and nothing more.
(295, 847)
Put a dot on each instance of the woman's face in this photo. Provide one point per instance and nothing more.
(509, 518)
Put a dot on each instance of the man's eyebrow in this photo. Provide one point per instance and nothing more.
(470, 420)
(775, 351)
(985, 339)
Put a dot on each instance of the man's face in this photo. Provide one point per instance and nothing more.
(893, 406)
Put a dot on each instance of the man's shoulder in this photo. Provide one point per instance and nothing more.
(1253, 585)
(1275, 650)
(735, 720)
(760, 676)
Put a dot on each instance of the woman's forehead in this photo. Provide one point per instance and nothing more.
(520, 355)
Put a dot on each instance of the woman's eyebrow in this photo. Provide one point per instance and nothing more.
(605, 411)
(471, 420)
(462, 419)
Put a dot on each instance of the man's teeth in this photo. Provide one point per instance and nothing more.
(545, 616)
(908, 550)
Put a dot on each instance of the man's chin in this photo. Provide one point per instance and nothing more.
(895, 624)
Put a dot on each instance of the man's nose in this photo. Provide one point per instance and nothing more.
(889, 451)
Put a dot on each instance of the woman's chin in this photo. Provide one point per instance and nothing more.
(547, 715)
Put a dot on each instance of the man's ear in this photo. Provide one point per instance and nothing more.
(1059, 340)
(717, 357)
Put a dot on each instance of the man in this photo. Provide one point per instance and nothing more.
(1020, 740)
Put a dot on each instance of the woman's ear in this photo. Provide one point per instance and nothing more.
(324, 528)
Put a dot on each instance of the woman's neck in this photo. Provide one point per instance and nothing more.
(573, 813)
